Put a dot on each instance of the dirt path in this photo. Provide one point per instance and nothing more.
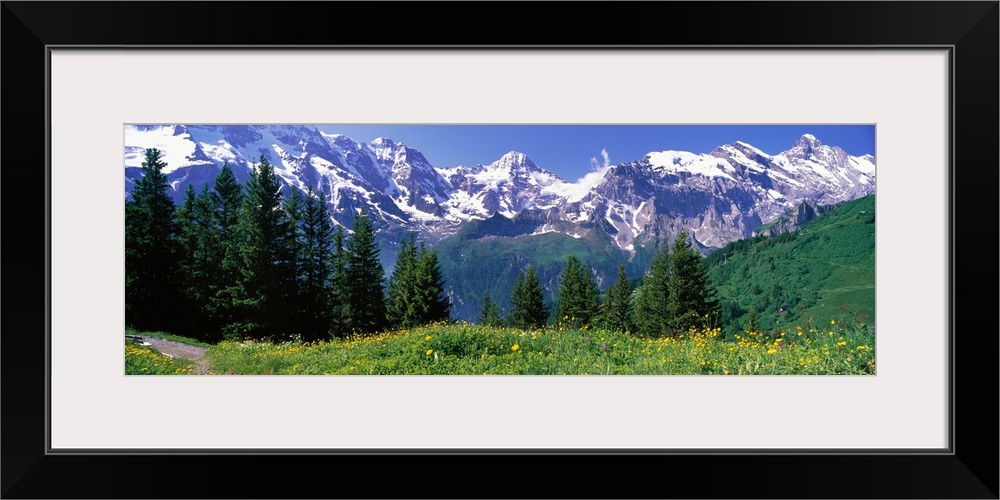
(179, 350)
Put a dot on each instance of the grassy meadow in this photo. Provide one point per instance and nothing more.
(467, 349)
(142, 360)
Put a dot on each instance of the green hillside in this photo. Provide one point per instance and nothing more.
(825, 271)
(469, 265)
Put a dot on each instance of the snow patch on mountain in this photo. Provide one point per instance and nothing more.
(175, 144)
(684, 162)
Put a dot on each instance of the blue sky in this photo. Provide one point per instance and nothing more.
(571, 150)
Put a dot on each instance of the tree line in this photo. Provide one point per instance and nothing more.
(243, 261)
(674, 296)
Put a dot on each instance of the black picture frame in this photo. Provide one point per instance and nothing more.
(968, 470)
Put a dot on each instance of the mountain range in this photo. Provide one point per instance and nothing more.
(621, 210)
(718, 197)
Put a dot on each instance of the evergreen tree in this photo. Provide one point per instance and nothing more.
(577, 295)
(517, 316)
(314, 271)
(489, 315)
(402, 288)
(364, 279)
(691, 299)
(151, 250)
(265, 257)
(199, 264)
(186, 228)
(187, 235)
(431, 301)
(529, 310)
(617, 310)
(227, 198)
(651, 315)
(292, 292)
(340, 311)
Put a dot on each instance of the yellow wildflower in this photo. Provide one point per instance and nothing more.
(515, 347)
(430, 351)
(427, 337)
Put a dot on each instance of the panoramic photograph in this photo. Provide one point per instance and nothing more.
(345, 249)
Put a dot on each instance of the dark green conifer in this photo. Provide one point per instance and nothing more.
(651, 314)
(489, 313)
(617, 309)
(691, 301)
(266, 259)
(529, 310)
(152, 250)
(432, 302)
(577, 295)
(365, 279)
(402, 286)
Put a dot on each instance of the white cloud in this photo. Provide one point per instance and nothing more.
(596, 165)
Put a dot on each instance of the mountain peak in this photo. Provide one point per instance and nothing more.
(383, 142)
(515, 160)
(808, 140)
(515, 156)
(806, 146)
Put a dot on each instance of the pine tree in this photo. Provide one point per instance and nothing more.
(402, 286)
(314, 272)
(340, 310)
(577, 295)
(186, 229)
(308, 240)
(517, 315)
(691, 302)
(651, 315)
(416, 287)
(292, 292)
(187, 236)
(617, 310)
(151, 250)
(431, 300)
(365, 278)
(489, 314)
(200, 266)
(529, 310)
(227, 198)
(265, 258)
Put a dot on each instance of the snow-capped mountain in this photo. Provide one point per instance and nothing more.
(717, 197)
(721, 196)
(507, 186)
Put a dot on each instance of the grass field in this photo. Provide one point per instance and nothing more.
(467, 349)
(141, 360)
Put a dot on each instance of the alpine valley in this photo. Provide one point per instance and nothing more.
(489, 221)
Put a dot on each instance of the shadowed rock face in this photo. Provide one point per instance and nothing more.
(717, 197)
(793, 219)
